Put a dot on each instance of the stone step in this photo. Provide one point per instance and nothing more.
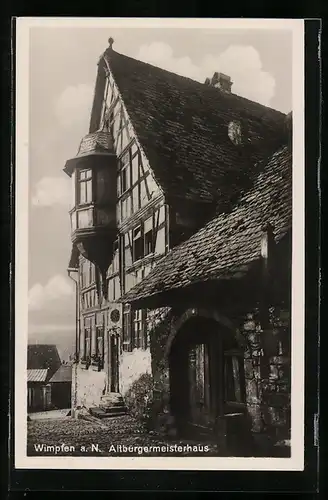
(100, 413)
(112, 397)
(107, 402)
(113, 409)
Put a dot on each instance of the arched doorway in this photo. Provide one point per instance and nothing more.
(206, 375)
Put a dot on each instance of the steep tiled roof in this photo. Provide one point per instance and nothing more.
(37, 375)
(63, 374)
(231, 239)
(43, 356)
(182, 126)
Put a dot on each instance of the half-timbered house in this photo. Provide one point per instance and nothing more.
(163, 157)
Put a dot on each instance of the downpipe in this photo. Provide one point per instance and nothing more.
(77, 320)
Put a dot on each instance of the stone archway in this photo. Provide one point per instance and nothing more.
(203, 313)
(200, 371)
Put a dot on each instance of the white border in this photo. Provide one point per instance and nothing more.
(296, 461)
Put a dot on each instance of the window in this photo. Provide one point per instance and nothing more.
(137, 244)
(124, 179)
(126, 328)
(148, 236)
(84, 187)
(137, 328)
(143, 240)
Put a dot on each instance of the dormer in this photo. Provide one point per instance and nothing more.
(93, 215)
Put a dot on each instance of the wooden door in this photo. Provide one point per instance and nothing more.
(201, 409)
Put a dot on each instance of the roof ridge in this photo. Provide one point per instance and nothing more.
(196, 82)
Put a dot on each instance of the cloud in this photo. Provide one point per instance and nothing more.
(58, 289)
(49, 328)
(241, 62)
(161, 54)
(52, 191)
(73, 107)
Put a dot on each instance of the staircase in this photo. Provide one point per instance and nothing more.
(111, 405)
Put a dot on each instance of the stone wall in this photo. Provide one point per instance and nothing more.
(266, 363)
(131, 366)
(267, 374)
(87, 386)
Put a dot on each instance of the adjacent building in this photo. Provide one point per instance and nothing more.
(61, 387)
(181, 248)
(42, 362)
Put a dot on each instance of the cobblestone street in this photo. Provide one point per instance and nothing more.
(120, 436)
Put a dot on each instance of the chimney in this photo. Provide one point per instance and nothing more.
(220, 81)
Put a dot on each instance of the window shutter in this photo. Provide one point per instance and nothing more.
(87, 346)
(100, 347)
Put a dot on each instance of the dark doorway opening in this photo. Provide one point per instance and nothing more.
(206, 378)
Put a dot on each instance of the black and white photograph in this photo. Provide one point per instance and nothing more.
(159, 244)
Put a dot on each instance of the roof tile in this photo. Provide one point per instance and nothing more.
(182, 126)
(229, 240)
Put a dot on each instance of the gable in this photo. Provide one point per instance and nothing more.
(43, 356)
(115, 118)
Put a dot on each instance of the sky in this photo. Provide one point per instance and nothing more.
(62, 72)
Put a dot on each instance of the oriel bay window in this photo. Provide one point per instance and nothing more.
(84, 187)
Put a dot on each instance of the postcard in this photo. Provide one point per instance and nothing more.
(159, 295)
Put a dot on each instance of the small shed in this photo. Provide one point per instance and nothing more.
(43, 361)
(38, 391)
